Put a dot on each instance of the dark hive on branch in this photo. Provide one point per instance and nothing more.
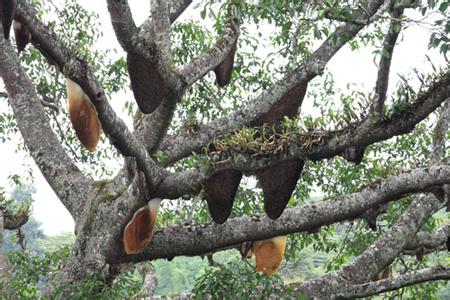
(7, 12)
(220, 191)
(224, 70)
(22, 35)
(278, 182)
(148, 87)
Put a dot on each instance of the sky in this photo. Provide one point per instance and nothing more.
(347, 66)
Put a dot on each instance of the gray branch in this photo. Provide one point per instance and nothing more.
(441, 132)
(327, 145)
(150, 129)
(376, 257)
(380, 254)
(161, 26)
(78, 70)
(385, 65)
(184, 144)
(330, 16)
(144, 40)
(123, 23)
(153, 127)
(198, 239)
(211, 58)
(61, 173)
(391, 284)
(429, 240)
(152, 42)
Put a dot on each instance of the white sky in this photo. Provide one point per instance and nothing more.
(347, 66)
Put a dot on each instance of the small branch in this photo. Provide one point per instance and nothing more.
(212, 57)
(421, 252)
(391, 284)
(21, 240)
(385, 65)
(360, 22)
(406, 4)
(429, 240)
(211, 261)
(50, 105)
(191, 212)
(440, 133)
(63, 136)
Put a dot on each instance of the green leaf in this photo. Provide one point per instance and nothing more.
(203, 13)
(443, 7)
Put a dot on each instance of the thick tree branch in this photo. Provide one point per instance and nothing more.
(391, 284)
(123, 23)
(377, 256)
(313, 66)
(440, 148)
(381, 253)
(161, 26)
(151, 129)
(152, 43)
(212, 57)
(77, 70)
(61, 173)
(147, 41)
(204, 238)
(328, 144)
(325, 145)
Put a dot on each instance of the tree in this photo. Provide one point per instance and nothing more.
(192, 130)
